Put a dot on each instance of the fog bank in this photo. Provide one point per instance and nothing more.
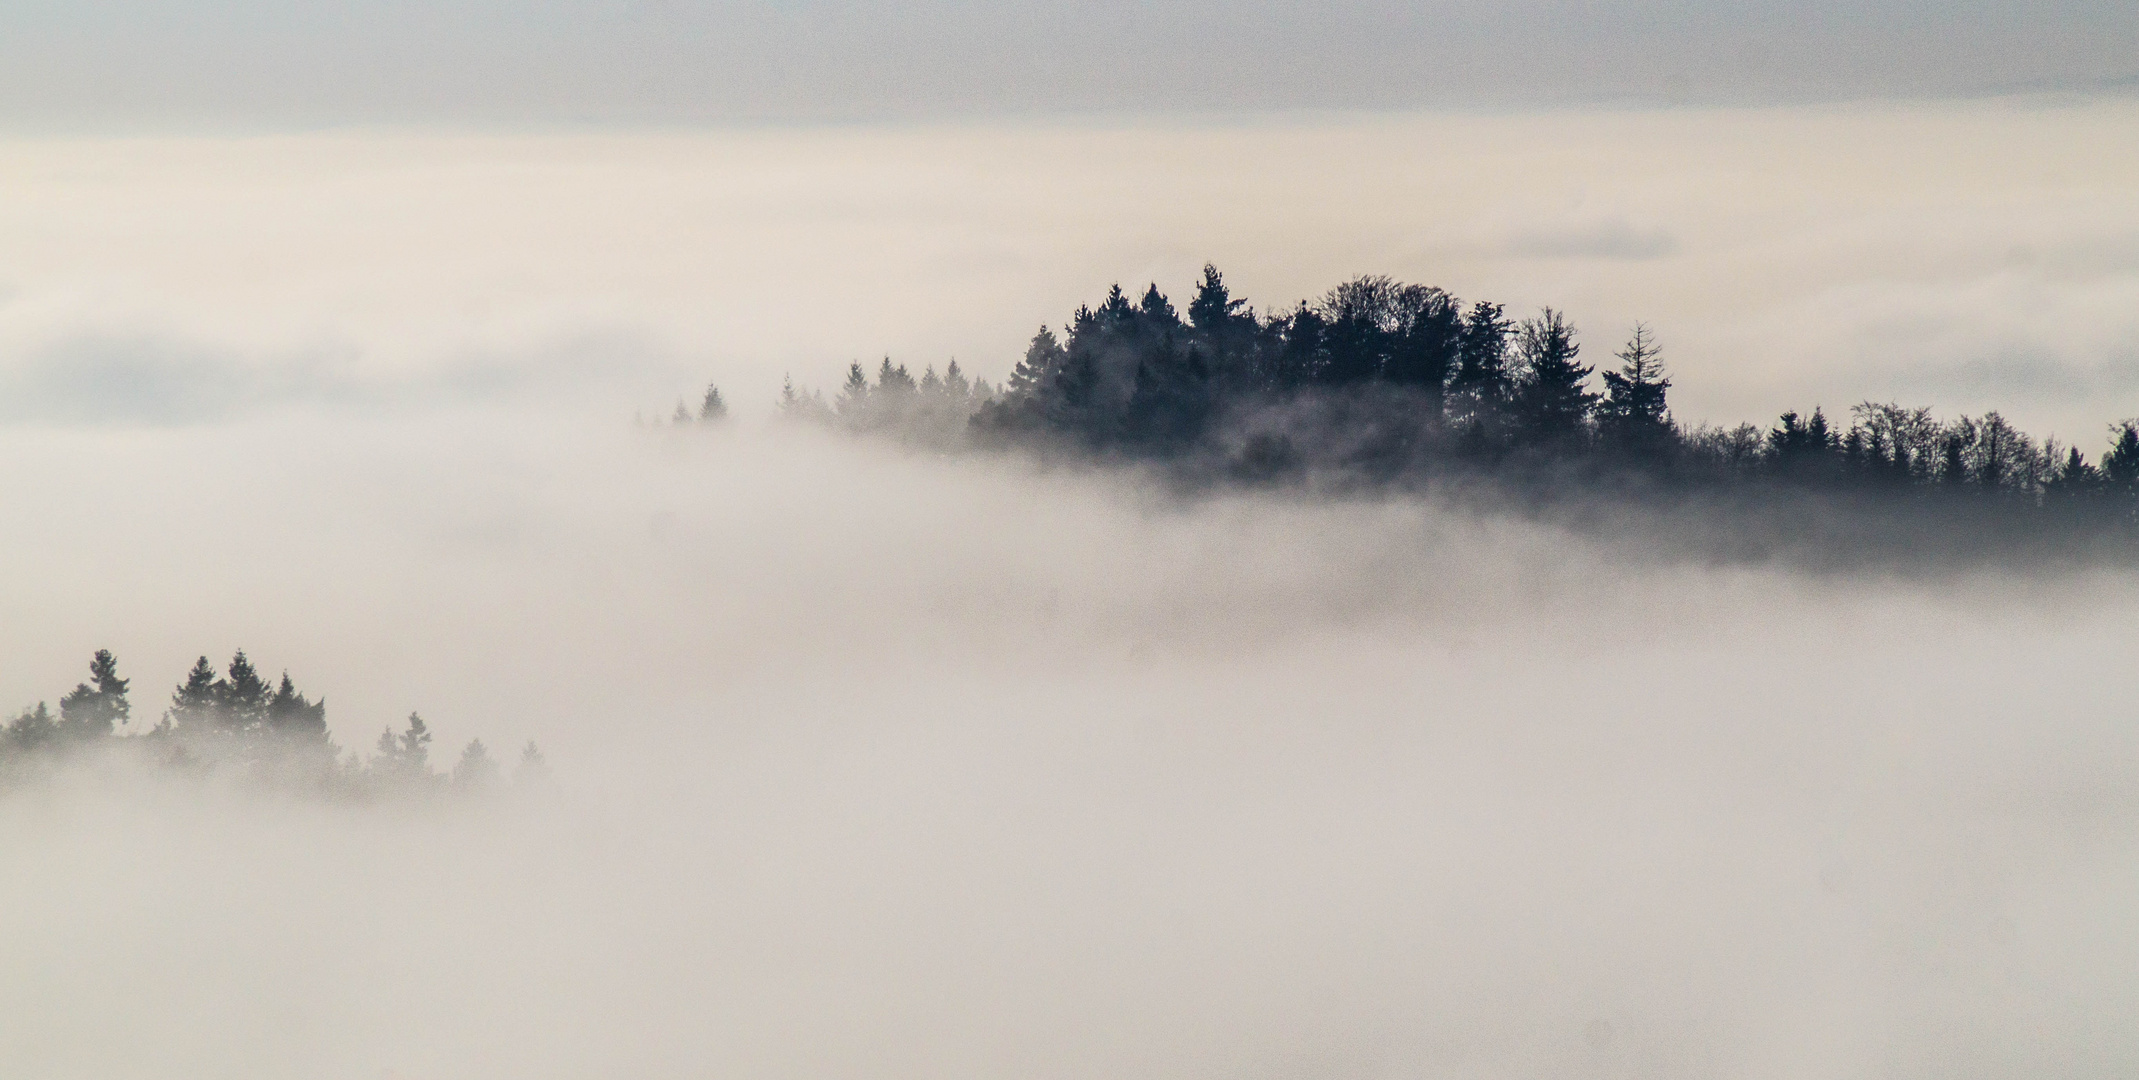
(1962, 256)
(900, 765)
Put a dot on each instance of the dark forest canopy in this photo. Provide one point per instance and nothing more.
(1382, 383)
(234, 721)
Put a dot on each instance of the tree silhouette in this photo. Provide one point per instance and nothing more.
(292, 717)
(96, 708)
(533, 771)
(31, 730)
(854, 395)
(1633, 418)
(1550, 404)
(197, 702)
(477, 771)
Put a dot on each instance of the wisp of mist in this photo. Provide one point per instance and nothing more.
(886, 764)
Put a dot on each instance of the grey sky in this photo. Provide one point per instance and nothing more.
(248, 63)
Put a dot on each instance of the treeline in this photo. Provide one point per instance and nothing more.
(233, 722)
(1384, 381)
(933, 408)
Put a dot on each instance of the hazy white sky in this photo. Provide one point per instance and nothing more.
(1966, 256)
(248, 63)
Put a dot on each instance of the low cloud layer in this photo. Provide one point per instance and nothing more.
(897, 765)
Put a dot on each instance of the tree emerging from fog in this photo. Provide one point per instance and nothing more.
(234, 723)
(1381, 382)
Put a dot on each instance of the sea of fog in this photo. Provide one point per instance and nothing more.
(875, 764)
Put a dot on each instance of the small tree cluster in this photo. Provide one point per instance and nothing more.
(933, 409)
(233, 720)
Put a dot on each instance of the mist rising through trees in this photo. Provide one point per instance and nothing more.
(233, 721)
(1380, 382)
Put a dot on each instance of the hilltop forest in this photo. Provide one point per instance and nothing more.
(1381, 383)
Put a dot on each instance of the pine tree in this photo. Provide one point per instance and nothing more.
(807, 405)
(1633, 417)
(1550, 404)
(1214, 311)
(1480, 387)
(533, 773)
(955, 385)
(96, 708)
(2120, 466)
(1042, 358)
(2074, 483)
(415, 755)
(196, 705)
(855, 393)
(31, 730)
(1156, 314)
(712, 409)
(1229, 335)
(1801, 449)
(477, 771)
(243, 695)
(292, 717)
(893, 380)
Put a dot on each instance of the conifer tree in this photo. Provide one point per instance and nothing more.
(416, 746)
(1043, 357)
(196, 705)
(1214, 311)
(31, 730)
(712, 409)
(477, 771)
(243, 695)
(1633, 417)
(1157, 313)
(893, 380)
(2120, 466)
(855, 393)
(1226, 330)
(96, 708)
(533, 772)
(1479, 388)
(1551, 403)
(293, 717)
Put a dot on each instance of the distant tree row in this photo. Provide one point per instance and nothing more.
(934, 408)
(1381, 379)
(234, 721)
(712, 409)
